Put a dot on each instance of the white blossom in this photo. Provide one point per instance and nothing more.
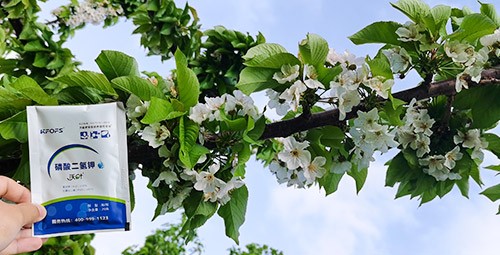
(282, 173)
(92, 12)
(458, 52)
(382, 88)
(346, 102)
(288, 74)
(199, 113)
(207, 182)
(136, 107)
(470, 139)
(423, 123)
(275, 102)
(155, 134)
(341, 167)
(346, 59)
(452, 156)
(367, 120)
(315, 169)
(297, 179)
(294, 153)
(382, 139)
(399, 59)
(491, 39)
(167, 176)
(409, 32)
(421, 144)
(293, 94)
(223, 195)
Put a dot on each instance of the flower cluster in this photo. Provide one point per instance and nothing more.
(90, 11)
(345, 87)
(290, 98)
(472, 140)
(472, 61)
(214, 107)
(416, 131)
(294, 165)
(213, 188)
(399, 59)
(410, 32)
(440, 166)
(155, 134)
(369, 136)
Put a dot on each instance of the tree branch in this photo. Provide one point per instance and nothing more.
(142, 153)
(331, 118)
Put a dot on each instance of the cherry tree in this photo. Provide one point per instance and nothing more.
(193, 132)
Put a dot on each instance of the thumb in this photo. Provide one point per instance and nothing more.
(30, 213)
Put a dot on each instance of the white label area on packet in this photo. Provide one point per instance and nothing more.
(79, 168)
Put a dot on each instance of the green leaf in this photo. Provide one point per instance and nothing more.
(428, 195)
(493, 193)
(238, 124)
(331, 136)
(493, 143)
(254, 79)
(473, 27)
(188, 134)
(330, 182)
(115, 64)
(79, 95)
(398, 167)
(440, 16)
(188, 85)
(475, 174)
(15, 127)
(378, 32)
(234, 211)
(197, 211)
(35, 46)
(314, 50)
(88, 79)
(269, 55)
(30, 89)
(391, 115)
(327, 74)
(404, 189)
(477, 99)
(158, 110)
(413, 9)
(137, 86)
(380, 66)
(22, 173)
(359, 177)
(254, 130)
(463, 186)
(494, 168)
(490, 11)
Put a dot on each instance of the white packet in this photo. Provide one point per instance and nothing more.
(79, 168)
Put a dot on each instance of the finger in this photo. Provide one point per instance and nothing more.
(24, 233)
(21, 245)
(13, 191)
(30, 213)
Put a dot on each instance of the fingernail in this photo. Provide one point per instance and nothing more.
(41, 210)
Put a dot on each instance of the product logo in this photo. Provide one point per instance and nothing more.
(73, 165)
(45, 131)
(94, 134)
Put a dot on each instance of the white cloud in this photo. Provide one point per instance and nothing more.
(375, 223)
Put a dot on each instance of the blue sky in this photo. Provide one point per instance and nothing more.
(301, 222)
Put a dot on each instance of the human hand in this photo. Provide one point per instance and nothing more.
(15, 219)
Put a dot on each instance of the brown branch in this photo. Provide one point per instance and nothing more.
(147, 156)
(331, 118)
